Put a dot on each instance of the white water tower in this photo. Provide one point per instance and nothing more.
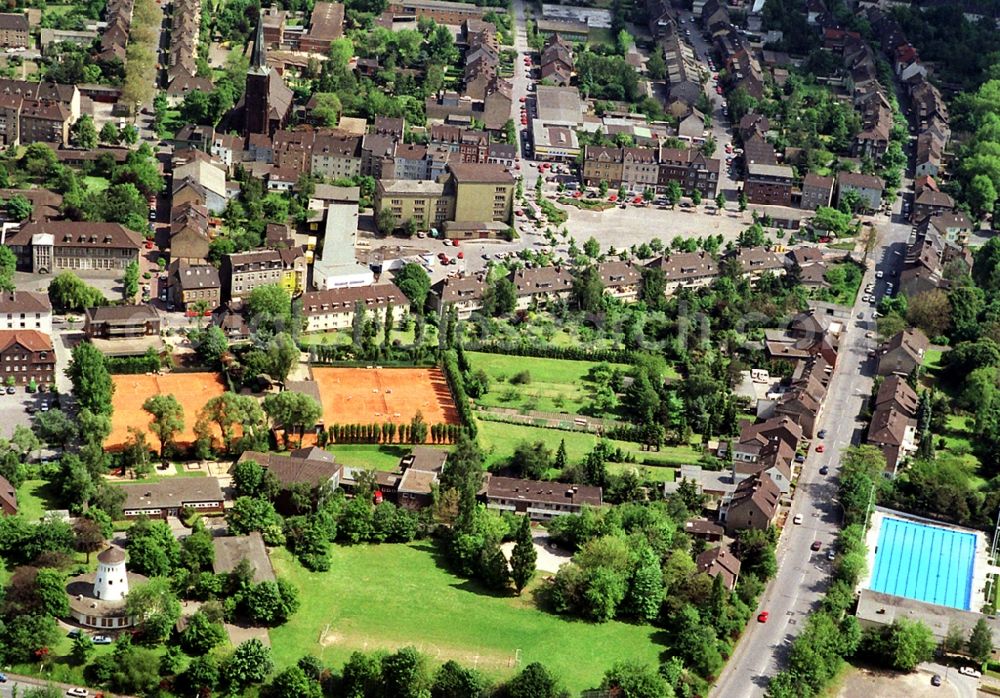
(111, 582)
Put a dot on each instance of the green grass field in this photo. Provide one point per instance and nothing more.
(391, 596)
(498, 440)
(370, 456)
(932, 359)
(96, 184)
(34, 498)
(557, 385)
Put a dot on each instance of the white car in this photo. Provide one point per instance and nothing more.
(797, 519)
(879, 274)
(78, 692)
(866, 298)
(970, 671)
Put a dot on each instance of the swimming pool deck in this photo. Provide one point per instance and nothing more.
(981, 567)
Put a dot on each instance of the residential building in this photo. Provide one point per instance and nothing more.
(903, 352)
(686, 270)
(602, 164)
(482, 192)
(426, 202)
(769, 185)
(189, 237)
(25, 310)
(929, 203)
(206, 174)
(159, 500)
(465, 293)
(14, 32)
(950, 227)
(8, 498)
(621, 280)
(690, 168)
(868, 187)
(26, 356)
(336, 156)
(753, 504)
(893, 427)
(816, 191)
(540, 501)
(190, 283)
(293, 269)
(756, 261)
(47, 247)
(539, 286)
(334, 308)
(933, 259)
(242, 272)
(719, 562)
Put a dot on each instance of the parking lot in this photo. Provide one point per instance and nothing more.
(16, 409)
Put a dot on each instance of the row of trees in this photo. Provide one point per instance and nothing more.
(416, 432)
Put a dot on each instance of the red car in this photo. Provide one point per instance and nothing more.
(718, 90)
(523, 99)
(820, 448)
(613, 197)
(762, 617)
(816, 545)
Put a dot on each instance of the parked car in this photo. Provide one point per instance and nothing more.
(936, 680)
(3, 678)
(102, 640)
(824, 470)
(822, 433)
(797, 519)
(762, 617)
(820, 448)
(10, 390)
(830, 554)
(970, 671)
(77, 692)
(816, 545)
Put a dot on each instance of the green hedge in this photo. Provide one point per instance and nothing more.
(149, 362)
(542, 351)
(449, 364)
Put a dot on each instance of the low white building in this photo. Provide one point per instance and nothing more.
(337, 266)
(25, 310)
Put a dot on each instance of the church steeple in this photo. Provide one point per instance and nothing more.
(258, 57)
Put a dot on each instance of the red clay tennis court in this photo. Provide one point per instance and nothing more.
(192, 390)
(379, 395)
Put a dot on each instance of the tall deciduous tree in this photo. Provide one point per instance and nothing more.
(523, 557)
(168, 419)
(292, 411)
(92, 386)
(155, 608)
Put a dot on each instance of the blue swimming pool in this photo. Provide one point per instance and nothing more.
(923, 562)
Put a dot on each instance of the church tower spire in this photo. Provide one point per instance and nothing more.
(258, 56)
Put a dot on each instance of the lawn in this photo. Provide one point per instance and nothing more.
(34, 498)
(391, 596)
(96, 184)
(556, 385)
(369, 456)
(957, 437)
(498, 440)
(932, 359)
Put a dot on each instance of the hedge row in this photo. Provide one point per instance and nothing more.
(149, 362)
(543, 351)
(388, 433)
(449, 363)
